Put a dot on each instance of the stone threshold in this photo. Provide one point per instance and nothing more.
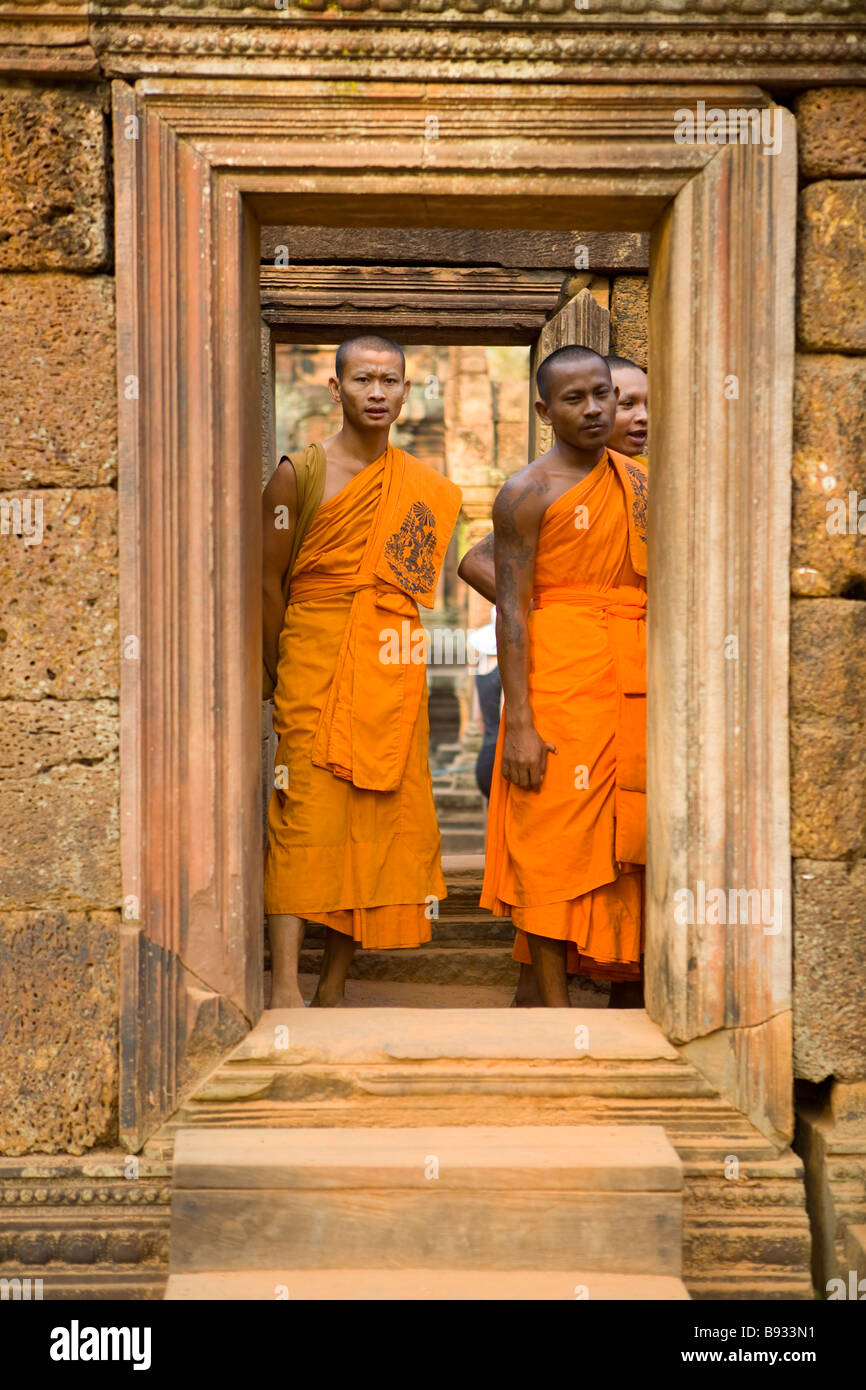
(300, 1036)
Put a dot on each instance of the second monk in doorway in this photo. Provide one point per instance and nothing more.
(566, 839)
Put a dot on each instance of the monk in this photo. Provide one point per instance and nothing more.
(566, 827)
(355, 532)
(631, 426)
(629, 437)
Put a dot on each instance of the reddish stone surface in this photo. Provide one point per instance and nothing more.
(831, 132)
(58, 389)
(828, 714)
(54, 199)
(629, 312)
(828, 539)
(831, 302)
(59, 804)
(58, 629)
(829, 970)
(58, 1043)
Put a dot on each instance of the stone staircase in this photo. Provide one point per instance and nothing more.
(267, 1202)
(469, 946)
(459, 804)
(436, 1212)
(745, 1232)
(467, 963)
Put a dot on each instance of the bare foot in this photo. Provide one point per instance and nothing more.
(326, 1001)
(287, 998)
(518, 1002)
(527, 996)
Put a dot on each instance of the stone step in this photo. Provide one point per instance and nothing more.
(468, 965)
(607, 1198)
(447, 753)
(461, 929)
(464, 874)
(402, 1285)
(464, 778)
(389, 1036)
(449, 800)
(462, 839)
(701, 1129)
(305, 1055)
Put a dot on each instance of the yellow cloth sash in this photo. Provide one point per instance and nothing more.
(365, 728)
(624, 611)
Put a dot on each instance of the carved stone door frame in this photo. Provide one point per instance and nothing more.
(198, 167)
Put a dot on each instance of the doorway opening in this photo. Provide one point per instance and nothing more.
(493, 304)
(239, 157)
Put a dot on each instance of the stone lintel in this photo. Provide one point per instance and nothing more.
(510, 249)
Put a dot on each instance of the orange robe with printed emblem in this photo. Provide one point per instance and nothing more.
(353, 840)
(567, 861)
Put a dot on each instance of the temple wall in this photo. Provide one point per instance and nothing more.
(828, 566)
(59, 642)
(629, 312)
(59, 814)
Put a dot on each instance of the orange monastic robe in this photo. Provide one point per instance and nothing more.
(567, 861)
(353, 840)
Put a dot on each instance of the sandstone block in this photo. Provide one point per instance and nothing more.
(828, 714)
(59, 837)
(39, 736)
(58, 390)
(629, 315)
(829, 970)
(831, 131)
(58, 615)
(828, 553)
(58, 802)
(533, 1197)
(831, 293)
(54, 193)
(58, 1045)
(847, 1105)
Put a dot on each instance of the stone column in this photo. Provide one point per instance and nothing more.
(719, 535)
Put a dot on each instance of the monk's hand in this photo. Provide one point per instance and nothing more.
(524, 757)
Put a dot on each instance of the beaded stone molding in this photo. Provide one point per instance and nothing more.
(792, 41)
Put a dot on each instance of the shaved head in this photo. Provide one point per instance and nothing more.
(571, 356)
(373, 342)
(613, 362)
(630, 428)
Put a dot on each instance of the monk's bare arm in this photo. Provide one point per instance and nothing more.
(279, 518)
(517, 515)
(478, 569)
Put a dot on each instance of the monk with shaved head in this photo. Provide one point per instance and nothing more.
(566, 827)
(628, 437)
(631, 426)
(354, 535)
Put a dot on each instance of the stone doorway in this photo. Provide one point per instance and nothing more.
(497, 302)
(198, 173)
